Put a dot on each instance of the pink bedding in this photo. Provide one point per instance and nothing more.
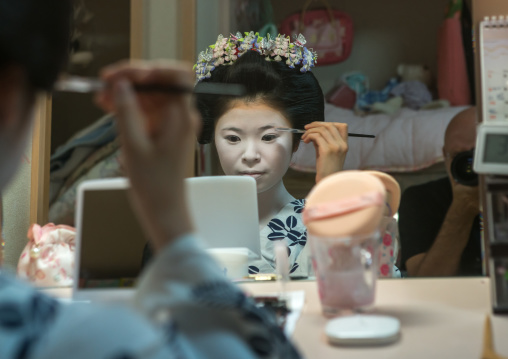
(408, 141)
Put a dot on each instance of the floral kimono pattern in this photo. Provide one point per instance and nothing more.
(286, 226)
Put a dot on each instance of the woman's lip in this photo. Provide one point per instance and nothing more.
(252, 174)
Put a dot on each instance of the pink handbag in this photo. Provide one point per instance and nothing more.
(452, 80)
(328, 32)
(48, 257)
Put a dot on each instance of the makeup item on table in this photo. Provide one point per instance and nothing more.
(282, 265)
(295, 130)
(356, 330)
(343, 214)
(346, 272)
(488, 344)
(263, 277)
(276, 305)
(232, 261)
(389, 248)
(88, 84)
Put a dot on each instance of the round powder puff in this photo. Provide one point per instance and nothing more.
(337, 191)
(392, 187)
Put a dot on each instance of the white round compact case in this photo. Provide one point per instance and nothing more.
(363, 329)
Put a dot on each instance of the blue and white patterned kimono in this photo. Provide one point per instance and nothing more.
(184, 308)
(288, 226)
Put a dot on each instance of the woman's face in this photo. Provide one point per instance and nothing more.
(248, 144)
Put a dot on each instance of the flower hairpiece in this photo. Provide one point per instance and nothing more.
(226, 51)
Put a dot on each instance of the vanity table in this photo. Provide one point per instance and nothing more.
(440, 318)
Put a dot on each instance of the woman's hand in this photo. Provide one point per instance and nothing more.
(157, 133)
(330, 141)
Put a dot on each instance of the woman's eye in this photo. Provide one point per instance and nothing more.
(269, 138)
(232, 138)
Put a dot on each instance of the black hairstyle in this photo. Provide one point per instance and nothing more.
(295, 94)
(35, 35)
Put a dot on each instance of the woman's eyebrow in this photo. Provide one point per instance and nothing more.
(235, 129)
(267, 127)
(238, 130)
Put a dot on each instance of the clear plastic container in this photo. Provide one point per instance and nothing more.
(346, 271)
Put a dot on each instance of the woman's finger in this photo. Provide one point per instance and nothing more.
(334, 131)
(141, 72)
(129, 117)
(318, 141)
(317, 127)
(131, 69)
(174, 126)
(329, 140)
(333, 127)
(104, 99)
(314, 124)
(343, 130)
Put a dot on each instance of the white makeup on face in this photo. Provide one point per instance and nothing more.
(248, 144)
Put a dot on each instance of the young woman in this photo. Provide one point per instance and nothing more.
(281, 92)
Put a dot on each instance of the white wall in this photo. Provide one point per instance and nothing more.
(386, 33)
(212, 19)
(16, 211)
(161, 37)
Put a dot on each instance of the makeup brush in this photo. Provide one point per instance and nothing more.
(294, 130)
(88, 84)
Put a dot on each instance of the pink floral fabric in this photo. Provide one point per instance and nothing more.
(48, 257)
(388, 249)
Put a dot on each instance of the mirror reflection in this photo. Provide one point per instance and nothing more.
(439, 221)
(389, 83)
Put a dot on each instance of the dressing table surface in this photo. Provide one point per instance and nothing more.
(440, 318)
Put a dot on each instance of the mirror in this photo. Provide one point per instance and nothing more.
(386, 35)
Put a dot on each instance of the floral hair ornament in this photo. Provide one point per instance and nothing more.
(226, 51)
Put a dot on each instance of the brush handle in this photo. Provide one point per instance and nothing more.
(295, 130)
(88, 84)
(360, 135)
(204, 88)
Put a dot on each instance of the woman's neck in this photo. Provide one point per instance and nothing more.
(270, 202)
